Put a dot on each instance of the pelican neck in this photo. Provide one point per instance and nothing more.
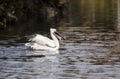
(55, 40)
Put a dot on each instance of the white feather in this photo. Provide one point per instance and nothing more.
(44, 43)
(42, 40)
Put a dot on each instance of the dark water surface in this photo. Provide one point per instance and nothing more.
(91, 49)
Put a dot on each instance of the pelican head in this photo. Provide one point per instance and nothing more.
(52, 30)
(57, 34)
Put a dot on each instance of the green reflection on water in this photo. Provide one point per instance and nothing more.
(102, 13)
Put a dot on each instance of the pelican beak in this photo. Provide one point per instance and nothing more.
(59, 36)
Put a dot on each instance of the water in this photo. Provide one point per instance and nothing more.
(91, 49)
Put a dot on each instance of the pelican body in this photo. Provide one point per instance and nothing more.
(40, 42)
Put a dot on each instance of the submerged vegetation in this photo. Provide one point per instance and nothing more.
(20, 11)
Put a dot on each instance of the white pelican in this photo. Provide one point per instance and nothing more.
(40, 42)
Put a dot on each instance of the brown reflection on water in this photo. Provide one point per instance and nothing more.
(94, 13)
(92, 41)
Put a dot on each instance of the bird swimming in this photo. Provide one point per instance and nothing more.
(40, 42)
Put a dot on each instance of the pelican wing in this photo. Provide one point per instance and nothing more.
(42, 40)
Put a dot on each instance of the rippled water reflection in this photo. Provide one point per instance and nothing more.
(82, 55)
(91, 50)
